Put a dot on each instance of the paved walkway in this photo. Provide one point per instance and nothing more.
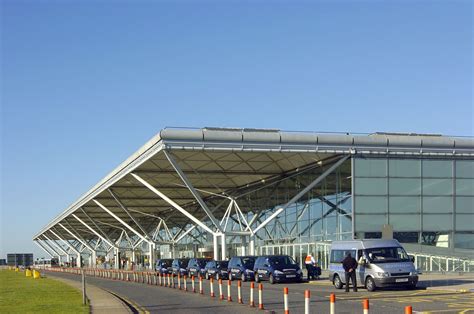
(101, 301)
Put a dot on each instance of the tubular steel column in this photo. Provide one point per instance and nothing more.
(252, 245)
(216, 247)
(224, 248)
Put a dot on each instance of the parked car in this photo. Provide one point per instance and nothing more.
(382, 263)
(196, 266)
(277, 268)
(163, 266)
(241, 267)
(178, 266)
(217, 270)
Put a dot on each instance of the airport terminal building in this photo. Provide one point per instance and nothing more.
(221, 192)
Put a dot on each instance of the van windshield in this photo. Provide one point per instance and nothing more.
(281, 261)
(248, 262)
(387, 255)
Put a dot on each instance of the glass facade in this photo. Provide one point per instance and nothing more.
(426, 201)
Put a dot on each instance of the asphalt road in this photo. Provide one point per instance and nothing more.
(168, 300)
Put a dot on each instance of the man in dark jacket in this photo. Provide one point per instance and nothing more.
(350, 265)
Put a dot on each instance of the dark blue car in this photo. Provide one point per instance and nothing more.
(241, 267)
(217, 270)
(196, 266)
(277, 268)
(178, 266)
(163, 266)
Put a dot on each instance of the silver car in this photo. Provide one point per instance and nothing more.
(382, 263)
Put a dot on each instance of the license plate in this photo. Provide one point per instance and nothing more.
(401, 280)
(290, 276)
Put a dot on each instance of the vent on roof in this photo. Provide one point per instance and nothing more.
(221, 129)
(261, 130)
(405, 134)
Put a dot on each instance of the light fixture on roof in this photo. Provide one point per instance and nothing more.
(320, 162)
(263, 180)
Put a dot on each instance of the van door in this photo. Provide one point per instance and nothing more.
(360, 272)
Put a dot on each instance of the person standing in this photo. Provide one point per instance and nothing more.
(350, 265)
(309, 263)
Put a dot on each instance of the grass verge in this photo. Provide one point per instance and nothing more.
(21, 294)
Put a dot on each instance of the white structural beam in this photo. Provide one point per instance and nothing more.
(121, 221)
(216, 247)
(172, 203)
(45, 242)
(56, 245)
(104, 234)
(184, 234)
(65, 242)
(125, 209)
(93, 231)
(192, 190)
(43, 248)
(302, 192)
(223, 248)
(77, 238)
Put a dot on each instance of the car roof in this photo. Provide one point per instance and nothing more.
(364, 244)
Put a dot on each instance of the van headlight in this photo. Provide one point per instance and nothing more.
(413, 273)
(277, 272)
(382, 275)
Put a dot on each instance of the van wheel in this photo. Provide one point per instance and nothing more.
(337, 282)
(271, 279)
(243, 277)
(370, 284)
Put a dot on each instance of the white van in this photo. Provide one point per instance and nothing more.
(382, 263)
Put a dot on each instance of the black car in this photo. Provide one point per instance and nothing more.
(217, 270)
(178, 266)
(241, 267)
(163, 266)
(196, 266)
(277, 268)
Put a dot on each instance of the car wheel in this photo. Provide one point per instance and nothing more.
(370, 284)
(243, 277)
(271, 279)
(337, 282)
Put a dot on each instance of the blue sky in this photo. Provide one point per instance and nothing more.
(85, 83)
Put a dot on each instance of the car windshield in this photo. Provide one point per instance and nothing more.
(248, 262)
(183, 263)
(281, 261)
(165, 263)
(202, 263)
(387, 255)
(223, 264)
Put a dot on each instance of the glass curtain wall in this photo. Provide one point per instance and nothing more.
(426, 201)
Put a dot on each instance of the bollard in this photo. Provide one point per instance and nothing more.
(192, 284)
(169, 281)
(365, 304)
(239, 293)
(260, 296)
(332, 299)
(307, 295)
(408, 309)
(285, 300)
(159, 279)
(185, 282)
(221, 295)
(211, 283)
(174, 284)
(229, 297)
(252, 286)
(201, 291)
(179, 281)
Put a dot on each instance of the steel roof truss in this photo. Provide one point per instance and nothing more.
(172, 203)
(192, 190)
(93, 231)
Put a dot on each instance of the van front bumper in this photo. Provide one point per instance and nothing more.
(396, 281)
